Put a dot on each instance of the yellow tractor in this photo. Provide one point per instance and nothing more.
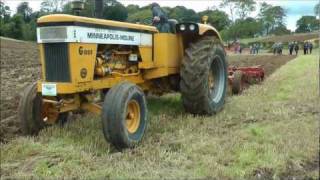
(107, 67)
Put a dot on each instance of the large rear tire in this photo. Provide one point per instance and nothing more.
(124, 115)
(204, 77)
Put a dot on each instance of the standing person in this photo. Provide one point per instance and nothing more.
(235, 48)
(290, 47)
(160, 18)
(258, 48)
(274, 47)
(305, 48)
(254, 48)
(296, 47)
(310, 47)
(281, 48)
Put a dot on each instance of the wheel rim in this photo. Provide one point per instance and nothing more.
(218, 78)
(49, 115)
(211, 81)
(133, 116)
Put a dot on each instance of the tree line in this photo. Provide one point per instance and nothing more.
(232, 25)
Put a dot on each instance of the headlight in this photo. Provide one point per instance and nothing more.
(182, 27)
(53, 33)
(192, 27)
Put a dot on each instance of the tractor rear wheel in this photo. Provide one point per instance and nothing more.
(124, 115)
(238, 82)
(32, 111)
(204, 77)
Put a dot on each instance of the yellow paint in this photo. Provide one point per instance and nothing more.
(69, 107)
(133, 116)
(161, 60)
(146, 56)
(160, 72)
(41, 49)
(205, 19)
(82, 56)
(103, 83)
(91, 107)
(70, 18)
(204, 28)
(168, 53)
(168, 50)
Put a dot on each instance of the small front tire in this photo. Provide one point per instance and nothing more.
(124, 115)
(32, 111)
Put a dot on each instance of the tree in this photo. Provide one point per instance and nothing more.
(246, 28)
(132, 8)
(231, 5)
(240, 7)
(142, 16)
(114, 10)
(183, 14)
(14, 28)
(307, 24)
(245, 7)
(218, 19)
(4, 17)
(280, 30)
(52, 6)
(24, 9)
(317, 9)
(271, 16)
(4, 12)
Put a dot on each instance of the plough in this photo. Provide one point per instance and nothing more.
(241, 77)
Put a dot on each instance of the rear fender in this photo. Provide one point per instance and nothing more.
(207, 30)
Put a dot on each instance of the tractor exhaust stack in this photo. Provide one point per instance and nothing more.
(98, 7)
(77, 6)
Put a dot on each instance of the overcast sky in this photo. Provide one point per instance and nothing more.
(294, 8)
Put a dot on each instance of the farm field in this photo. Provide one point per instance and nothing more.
(269, 131)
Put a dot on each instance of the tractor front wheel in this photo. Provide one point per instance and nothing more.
(33, 112)
(124, 115)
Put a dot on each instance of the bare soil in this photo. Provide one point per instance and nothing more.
(20, 66)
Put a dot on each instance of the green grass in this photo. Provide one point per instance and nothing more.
(270, 130)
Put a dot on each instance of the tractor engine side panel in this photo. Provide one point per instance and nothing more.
(168, 50)
(82, 61)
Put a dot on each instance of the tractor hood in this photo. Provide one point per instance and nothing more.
(65, 20)
(66, 28)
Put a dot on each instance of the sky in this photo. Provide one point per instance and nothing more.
(294, 8)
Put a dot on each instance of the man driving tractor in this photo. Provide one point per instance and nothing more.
(160, 18)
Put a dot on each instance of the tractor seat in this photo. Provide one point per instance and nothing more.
(173, 23)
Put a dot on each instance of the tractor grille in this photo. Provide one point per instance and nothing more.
(57, 66)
